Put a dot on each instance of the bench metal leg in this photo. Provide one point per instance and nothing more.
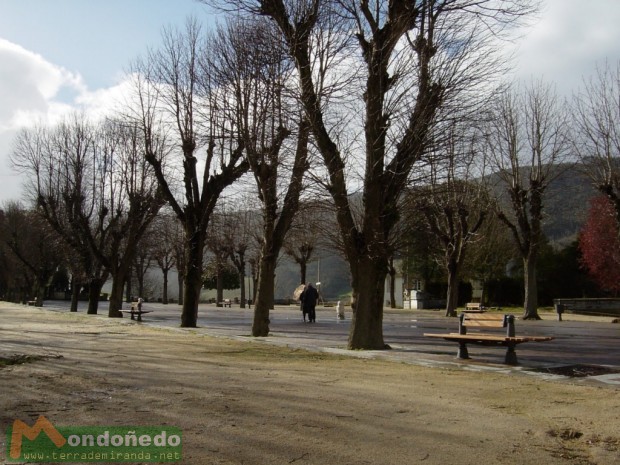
(462, 352)
(132, 316)
(139, 316)
(511, 356)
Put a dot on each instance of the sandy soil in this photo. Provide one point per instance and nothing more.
(249, 403)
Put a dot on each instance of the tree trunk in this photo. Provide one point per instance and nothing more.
(38, 293)
(303, 266)
(164, 297)
(392, 274)
(192, 282)
(530, 304)
(116, 295)
(242, 286)
(264, 296)
(75, 294)
(181, 284)
(94, 291)
(452, 296)
(367, 317)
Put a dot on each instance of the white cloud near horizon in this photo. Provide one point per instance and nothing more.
(36, 91)
(40, 91)
(33, 85)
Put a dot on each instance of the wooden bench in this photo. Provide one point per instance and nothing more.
(227, 303)
(473, 307)
(484, 321)
(136, 309)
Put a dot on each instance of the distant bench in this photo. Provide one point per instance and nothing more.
(472, 307)
(484, 321)
(226, 303)
(136, 309)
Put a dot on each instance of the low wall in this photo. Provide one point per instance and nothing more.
(603, 307)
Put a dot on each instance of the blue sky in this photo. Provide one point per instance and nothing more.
(95, 38)
(56, 55)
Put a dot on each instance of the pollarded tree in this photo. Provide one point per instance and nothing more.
(163, 250)
(404, 62)
(63, 181)
(174, 89)
(238, 225)
(129, 200)
(599, 243)
(254, 64)
(219, 252)
(455, 203)
(527, 140)
(92, 185)
(302, 240)
(597, 139)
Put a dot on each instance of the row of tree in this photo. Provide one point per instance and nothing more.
(379, 107)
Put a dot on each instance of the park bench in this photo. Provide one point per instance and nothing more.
(484, 321)
(136, 310)
(227, 303)
(473, 307)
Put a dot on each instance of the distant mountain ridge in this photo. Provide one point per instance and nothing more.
(566, 204)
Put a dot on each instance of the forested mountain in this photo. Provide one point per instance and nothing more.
(567, 201)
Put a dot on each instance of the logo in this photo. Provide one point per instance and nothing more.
(21, 429)
(43, 442)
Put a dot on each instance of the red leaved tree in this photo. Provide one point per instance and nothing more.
(599, 242)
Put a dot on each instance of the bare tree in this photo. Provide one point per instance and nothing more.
(528, 138)
(174, 88)
(62, 173)
(597, 139)
(218, 246)
(142, 263)
(455, 203)
(132, 200)
(163, 249)
(237, 226)
(410, 60)
(255, 65)
(488, 257)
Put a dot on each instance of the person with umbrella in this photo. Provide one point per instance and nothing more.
(309, 297)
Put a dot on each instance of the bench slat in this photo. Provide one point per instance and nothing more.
(487, 323)
(489, 337)
(484, 319)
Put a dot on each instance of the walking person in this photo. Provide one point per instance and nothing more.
(308, 298)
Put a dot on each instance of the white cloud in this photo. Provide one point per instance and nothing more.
(567, 42)
(34, 91)
(30, 85)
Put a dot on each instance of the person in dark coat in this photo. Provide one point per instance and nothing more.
(308, 298)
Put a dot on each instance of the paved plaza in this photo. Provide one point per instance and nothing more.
(581, 341)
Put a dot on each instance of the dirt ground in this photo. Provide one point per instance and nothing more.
(247, 403)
